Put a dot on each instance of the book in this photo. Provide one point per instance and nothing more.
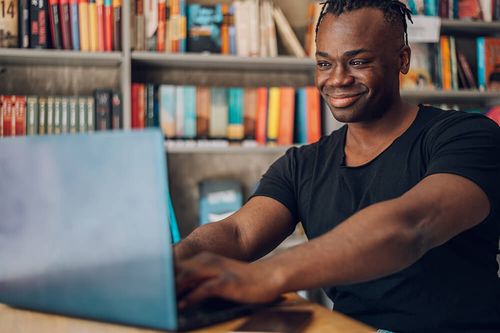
(64, 115)
(489, 63)
(273, 114)
(151, 21)
(57, 114)
(9, 17)
(430, 8)
(91, 125)
(469, 10)
(117, 25)
(301, 117)
(287, 35)
(102, 109)
(2, 98)
(31, 115)
(140, 26)
(55, 24)
(19, 111)
(241, 22)
(116, 111)
(179, 112)
(494, 114)
(204, 28)
(467, 60)
(162, 26)
(261, 115)
(203, 105)
(189, 112)
(93, 26)
(218, 113)
(132, 24)
(83, 25)
(235, 128)
(8, 117)
(65, 24)
(75, 28)
(73, 115)
(42, 115)
(24, 24)
(313, 114)
(287, 116)
(420, 73)
(219, 198)
(99, 5)
(108, 25)
(444, 43)
(224, 29)
(82, 114)
(150, 105)
(34, 23)
(249, 112)
(168, 104)
(50, 115)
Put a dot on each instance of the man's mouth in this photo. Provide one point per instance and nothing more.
(343, 101)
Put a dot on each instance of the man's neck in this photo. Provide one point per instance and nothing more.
(365, 141)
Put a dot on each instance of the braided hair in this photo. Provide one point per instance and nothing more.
(394, 11)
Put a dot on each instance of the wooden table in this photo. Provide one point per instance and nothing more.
(22, 321)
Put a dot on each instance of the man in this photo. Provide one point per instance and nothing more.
(401, 206)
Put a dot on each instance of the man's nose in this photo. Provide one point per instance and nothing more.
(340, 76)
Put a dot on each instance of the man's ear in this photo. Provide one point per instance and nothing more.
(404, 58)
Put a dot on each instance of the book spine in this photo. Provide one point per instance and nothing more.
(179, 111)
(273, 116)
(162, 26)
(444, 44)
(2, 104)
(203, 104)
(481, 63)
(91, 125)
(50, 115)
(190, 112)
(75, 29)
(34, 24)
(150, 105)
(93, 26)
(102, 109)
(73, 115)
(453, 64)
(224, 29)
(182, 26)
(141, 106)
(151, 23)
(287, 116)
(82, 114)
(117, 25)
(116, 111)
(108, 25)
(9, 16)
(167, 110)
(249, 112)
(235, 129)
(313, 114)
(7, 116)
(43, 24)
(140, 26)
(55, 25)
(261, 115)
(65, 115)
(430, 8)
(32, 115)
(58, 115)
(218, 113)
(65, 22)
(42, 115)
(83, 16)
(99, 4)
(20, 115)
(301, 119)
(24, 24)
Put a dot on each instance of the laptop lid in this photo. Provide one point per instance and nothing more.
(84, 227)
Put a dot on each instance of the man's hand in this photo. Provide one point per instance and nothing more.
(210, 275)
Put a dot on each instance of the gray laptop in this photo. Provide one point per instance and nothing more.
(84, 230)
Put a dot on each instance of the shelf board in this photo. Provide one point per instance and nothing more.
(223, 148)
(59, 58)
(218, 61)
(453, 96)
(470, 27)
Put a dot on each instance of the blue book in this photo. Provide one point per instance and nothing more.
(182, 40)
(235, 129)
(167, 105)
(232, 33)
(301, 116)
(481, 63)
(189, 111)
(204, 28)
(430, 8)
(75, 29)
(219, 199)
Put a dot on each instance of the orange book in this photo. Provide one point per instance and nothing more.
(492, 63)
(287, 115)
(83, 21)
(313, 114)
(203, 105)
(108, 25)
(174, 25)
(141, 106)
(93, 26)
(249, 112)
(444, 45)
(261, 115)
(162, 25)
(20, 115)
(100, 25)
(224, 29)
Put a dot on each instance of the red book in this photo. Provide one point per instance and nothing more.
(65, 23)
(162, 26)
(20, 115)
(8, 116)
(261, 116)
(134, 115)
(55, 25)
(2, 98)
(108, 25)
(287, 113)
(100, 26)
(313, 114)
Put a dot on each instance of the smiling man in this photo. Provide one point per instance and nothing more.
(401, 205)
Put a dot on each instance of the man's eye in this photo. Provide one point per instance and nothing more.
(358, 62)
(322, 65)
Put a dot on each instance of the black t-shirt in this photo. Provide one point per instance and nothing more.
(453, 287)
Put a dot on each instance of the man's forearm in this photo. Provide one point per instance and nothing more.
(375, 242)
(219, 237)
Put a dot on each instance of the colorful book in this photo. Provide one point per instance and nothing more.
(235, 128)
(24, 24)
(99, 4)
(203, 106)
(301, 117)
(168, 104)
(189, 112)
(162, 26)
(218, 113)
(420, 73)
(73, 115)
(8, 118)
(42, 115)
(50, 115)
(489, 63)
(117, 25)
(93, 26)
(102, 109)
(151, 21)
(273, 114)
(261, 115)
(179, 112)
(249, 113)
(140, 26)
(20, 115)
(313, 114)
(150, 105)
(286, 116)
(116, 111)
(108, 25)
(75, 28)
(55, 24)
(84, 26)
(204, 28)
(9, 24)
(31, 115)
(65, 24)
(444, 43)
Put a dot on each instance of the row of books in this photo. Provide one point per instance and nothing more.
(34, 115)
(86, 25)
(242, 27)
(482, 10)
(282, 115)
(455, 63)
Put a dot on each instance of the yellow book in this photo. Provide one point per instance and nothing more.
(83, 16)
(273, 114)
(94, 44)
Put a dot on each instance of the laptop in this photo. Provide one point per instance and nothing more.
(84, 231)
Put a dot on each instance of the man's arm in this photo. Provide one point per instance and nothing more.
(379, 240)
(257, 228)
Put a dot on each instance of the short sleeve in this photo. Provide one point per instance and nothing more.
(278, 182)
(468, 145)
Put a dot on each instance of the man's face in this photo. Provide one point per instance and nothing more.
(359, 57)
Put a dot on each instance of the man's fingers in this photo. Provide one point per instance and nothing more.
(211, 288)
